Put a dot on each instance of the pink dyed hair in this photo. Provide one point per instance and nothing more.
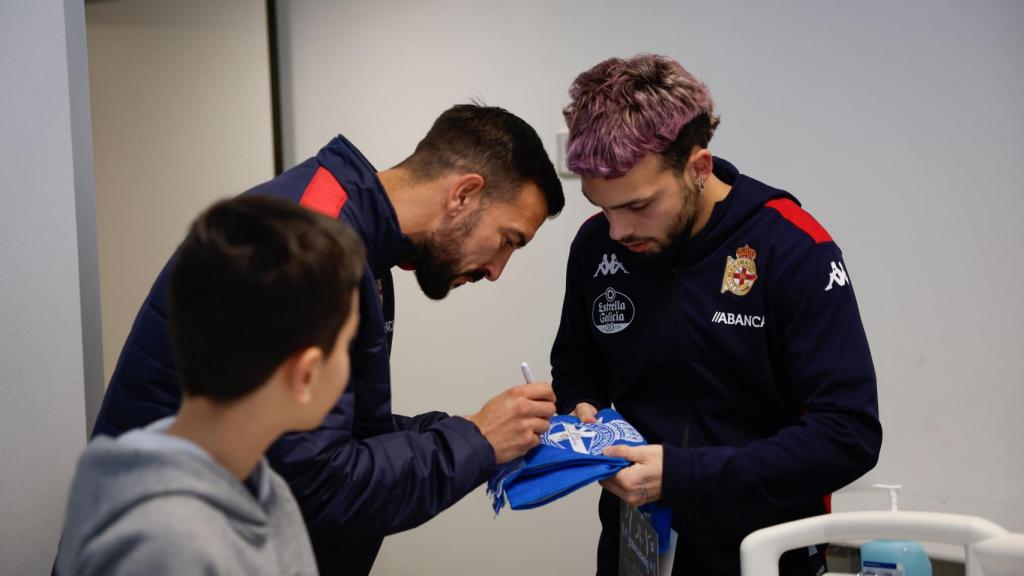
(622, 110)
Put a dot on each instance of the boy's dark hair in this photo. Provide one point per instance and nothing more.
(492, 142)
(256, 280)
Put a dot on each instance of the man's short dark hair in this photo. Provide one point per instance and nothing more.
(492, 142)
(696, 133)
(256, 280)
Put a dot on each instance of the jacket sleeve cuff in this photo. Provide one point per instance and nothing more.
(568, 405)
(472, 436)
(676, 476)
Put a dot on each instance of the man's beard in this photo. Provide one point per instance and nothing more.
(678, 234)
(439, 256)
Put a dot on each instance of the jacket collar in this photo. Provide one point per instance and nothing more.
(371, 212)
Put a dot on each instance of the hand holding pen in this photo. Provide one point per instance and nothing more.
(513, 421)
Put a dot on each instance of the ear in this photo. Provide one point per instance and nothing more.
(302, 371)
(464, 195)
(700, 165)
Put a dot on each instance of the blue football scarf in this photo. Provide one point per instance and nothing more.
(569, 457)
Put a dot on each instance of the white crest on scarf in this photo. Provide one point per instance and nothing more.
(590, 438)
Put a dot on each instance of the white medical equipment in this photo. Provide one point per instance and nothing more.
(990, 549)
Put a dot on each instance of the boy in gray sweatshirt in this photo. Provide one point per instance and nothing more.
(262, 305)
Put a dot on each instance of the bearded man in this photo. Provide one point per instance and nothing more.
(477, 188)
(718, 318)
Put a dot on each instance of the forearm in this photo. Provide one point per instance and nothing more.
(814, 457)
(385, 484)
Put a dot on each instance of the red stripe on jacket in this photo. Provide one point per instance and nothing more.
(324, 194)
(794, 213)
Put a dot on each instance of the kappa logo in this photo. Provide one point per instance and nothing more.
(589, 438)
(609, 266)
(613, 311)
(837, 276)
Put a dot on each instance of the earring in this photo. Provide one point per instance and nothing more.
(700, 186)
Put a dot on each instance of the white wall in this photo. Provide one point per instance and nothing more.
(49, 350)
(181, 117)
(898, 125)
(181, 104)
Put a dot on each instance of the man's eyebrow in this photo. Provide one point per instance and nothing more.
(624, 204)
(518, 238)
(632, 202)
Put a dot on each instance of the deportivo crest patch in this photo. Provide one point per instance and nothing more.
(740, 272)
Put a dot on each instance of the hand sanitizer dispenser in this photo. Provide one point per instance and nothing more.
(893, 557)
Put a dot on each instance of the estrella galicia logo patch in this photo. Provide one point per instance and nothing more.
(613, 311)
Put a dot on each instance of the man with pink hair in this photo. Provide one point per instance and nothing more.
(716, 315)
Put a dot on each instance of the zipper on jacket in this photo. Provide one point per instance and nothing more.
(677, 522)
(672, 306)
(673, 339)
(686, 429)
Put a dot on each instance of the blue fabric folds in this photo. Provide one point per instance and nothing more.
(568, 458)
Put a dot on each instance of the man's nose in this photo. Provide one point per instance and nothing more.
(618, 228)
(495, 267)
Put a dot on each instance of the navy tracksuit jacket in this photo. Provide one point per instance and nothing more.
(743, 353)
(365, 473)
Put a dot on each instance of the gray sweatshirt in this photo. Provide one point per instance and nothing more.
(151, 503)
